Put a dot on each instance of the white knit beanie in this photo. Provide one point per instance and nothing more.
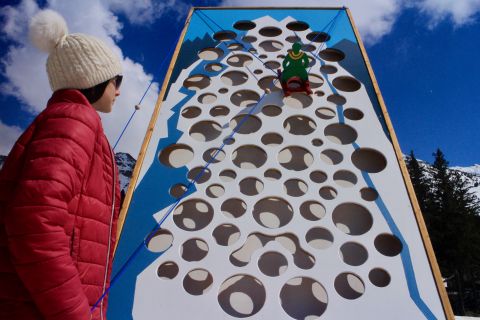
(75, 61)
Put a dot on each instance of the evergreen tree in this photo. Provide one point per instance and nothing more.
(420, 182)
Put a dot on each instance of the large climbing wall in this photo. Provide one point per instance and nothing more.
(272, 207)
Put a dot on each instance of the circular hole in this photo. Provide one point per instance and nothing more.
(234, 208)
(252, 50)
(199, 174)
(270, 31)
(295, 187)
(325, 113)
(229, 141)
(249, 157)
(215, 191)
(319, 238)
(272, 212)
(295, 158)
(352, 219)
(340, 133)
(311, 61)
(210, 54)
(297, 26)
(328, 69)
(222, 90)
(178, 190)
(369, 160)
(167, 270)
(244, 25)
(379, 277)
(235, 47)
(331, 157)
(250, 124)
(271, 110)
(319, 93)
(194, 250)
(224, 35)
(242, 296)
(204, 131)
(345, 178)
(226, 234)
(353, 114)
(328, 193)
(176, 155)
(272, 263)
(299, 125)
(197, 82)
(318, 37)
(272, 139)
(193, 215)
(234, 78)
(318, 176)
(333, 55)
(219, 111)
(258, 71)
(251, 186)
(281, 56)
(298, 101)
(160, 241)
(191, 112)
(272, 174)
(293, 39)
(337, 99)
(312, 210)
(317, 142)
(213, 67)
(349, 285)
(271, 45)
(214, 155)
(249, 39)
(303, 298)
(346, 83)
(227, 175)
(269, 84)
(239, 60)
(369, 194)
(274, 65)
(245, 98)
(197, 282)
(316, 81)
(388, 244)
(353, 254)
(308, 47)
(291, 243)
(207, 98)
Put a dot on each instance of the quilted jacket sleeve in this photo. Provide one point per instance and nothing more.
(38, 219)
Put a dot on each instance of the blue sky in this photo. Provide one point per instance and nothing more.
(424, 55)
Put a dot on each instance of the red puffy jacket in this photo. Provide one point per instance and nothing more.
(59, 204)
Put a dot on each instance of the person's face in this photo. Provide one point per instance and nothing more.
(105, 103)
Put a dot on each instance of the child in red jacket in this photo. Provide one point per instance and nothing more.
(59, 190)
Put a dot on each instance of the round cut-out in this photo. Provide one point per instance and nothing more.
(331, 157)
(234, 78)
(227, 175)
(346, 83)
(271, 45)
(214, 155)
(249, 157)
(369, 194)
(251, 186)
(239, 60)
(295, 158)
(388, 244)
(177, 190)
(337, 99)
(352, 219)
(379, 277)
(242, 296)
(197, 82)
(312, 210)
(176, 155)
(215, 191)
(270, 31)
(369, 160)
(272, 174)
(199, 174)
(249, 39)
(244, 25)
(191, 112)
(316, 81)
(213, 67)
(193, 215)
(318, 176)
(194, 250)
(271, 110)
(234, 208)
(317, 142)
(325, 113)
(272, 212)
(272, 263)
(353, 254)
(345, 178)
(340, 133)
(167, 270)
(249, 124)
(328, 69)
(297, 26)
(299, 125)
(303, 298)
(353, 114)
(333, 55)
(272, 139)
(205, 131)
(318, 37)
(349, 285)
(328, 193)
(207, 98)
(219, 111)
(160, 241)
(197, 281)
(269, 84)
(224, 35)
(298, 100)
(245, 98)
(235, 47)
(226, 234)
(319, 238)
(295, 187)
(273, 65)
(210, 54)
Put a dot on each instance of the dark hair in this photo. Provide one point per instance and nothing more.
(94, 93)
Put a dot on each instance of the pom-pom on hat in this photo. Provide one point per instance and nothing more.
(75, 61)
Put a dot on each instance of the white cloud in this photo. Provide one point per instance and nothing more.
(24, 67)
(460, 12)
(147, 11)
(9, 135)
